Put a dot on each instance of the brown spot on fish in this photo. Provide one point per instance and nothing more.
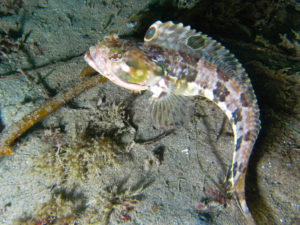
(235, 87)
(240, 168)
(202, 83)
(238, 143)
(222, 75)
(247, 136)
(209, 66)
(162, 95)
(191, 77)
(244, 100)
(220, 92)
(224, 95)
(178, 64)
(237, 116)
(189, 72)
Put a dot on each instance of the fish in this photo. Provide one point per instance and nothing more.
(176, 63)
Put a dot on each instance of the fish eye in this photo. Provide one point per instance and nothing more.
(115, 55)
(150, 34)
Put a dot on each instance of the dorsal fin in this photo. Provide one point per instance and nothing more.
(182, 38)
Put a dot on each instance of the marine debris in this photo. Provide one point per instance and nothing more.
(12, 132)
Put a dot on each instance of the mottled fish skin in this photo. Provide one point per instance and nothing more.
(183, 62)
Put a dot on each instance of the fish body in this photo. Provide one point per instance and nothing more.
(175, 63)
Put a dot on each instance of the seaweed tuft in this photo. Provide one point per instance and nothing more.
(120, 197)
(79, 162)
(291, 44)
(64, 207)
(279, 89)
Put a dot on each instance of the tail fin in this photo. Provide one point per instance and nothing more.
(239, 192)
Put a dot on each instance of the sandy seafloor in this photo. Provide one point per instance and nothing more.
(85, 162)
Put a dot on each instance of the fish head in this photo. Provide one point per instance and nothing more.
(124, 63)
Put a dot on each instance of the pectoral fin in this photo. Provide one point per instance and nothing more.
(172, 110)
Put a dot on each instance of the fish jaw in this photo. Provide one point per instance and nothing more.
(98, 60)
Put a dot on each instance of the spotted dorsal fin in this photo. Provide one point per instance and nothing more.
(177, 37)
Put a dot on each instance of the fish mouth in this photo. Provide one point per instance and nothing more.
(111, 75)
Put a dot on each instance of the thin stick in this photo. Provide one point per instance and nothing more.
(12, 132)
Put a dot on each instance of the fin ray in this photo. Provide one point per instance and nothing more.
(172, 110)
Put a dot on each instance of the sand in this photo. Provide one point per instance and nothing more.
(96, 160)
